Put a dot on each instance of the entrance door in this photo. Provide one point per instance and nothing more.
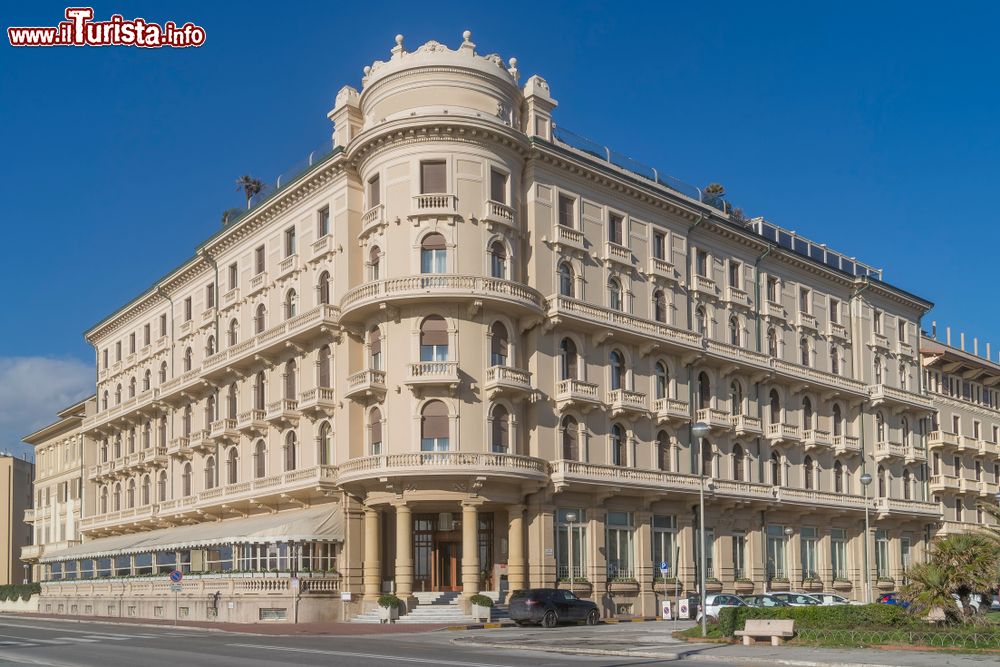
(448, 566)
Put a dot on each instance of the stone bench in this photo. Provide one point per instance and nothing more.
(777, 630)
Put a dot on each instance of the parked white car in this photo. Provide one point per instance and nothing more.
(797, 599)
(717, 602)
(832, 599)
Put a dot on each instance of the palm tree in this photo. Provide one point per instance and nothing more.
(250, 186)
(929, 592)
(230, 214)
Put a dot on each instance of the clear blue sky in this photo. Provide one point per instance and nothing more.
(869, 126)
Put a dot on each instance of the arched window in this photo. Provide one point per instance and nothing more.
(375, 431)
(772, 342)
(734, 331)
(259, 319)
(104, 451)
(186, 421)
(291, 451)
(878, 370)
(618, 454)
(902, 376)
(375, 263)
(838, 477)
(210, 472)
(104, 400)
(570, 439)
(701, 321)
(739, 463)
(259, 459)
(704, 391)
(131, 387)
(259, 391)
(161, 487)
(804, 351)
(807, 414)
(499, 344)
(617, 370)
(807, 469)
(434, 427)
(291, 303)
(500, 430)
(210, 346)
(663, 451)
(838, 421)
(188, 359)
(659, 306)
(291, 377)
(567, 359)
(104, 500)
(146, 488)
(323, 370)
(325, 445)
(118, 445)
(706, 458)
(118, 497)
(879, 427)
(118, 389)
(186, 480)
(130, 494)
(434, 339)
(433, 254)
(323, 287)
(232, 466)
(233, 401)
(147, 380)
(615, 298)
(234, 331)
(147, 435)
(210, 409)
(662, 380)
(881, 482)
(375, 349)
(775, 469)
(775, 407)
(834, 360)
(906, 483)
(567, 281)
(162, 439)
(906, 431)
(736, 397)
(498, 260)
(163, 378)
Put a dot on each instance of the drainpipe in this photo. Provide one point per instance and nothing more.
(218, 344)
(690, 303)
(756, 295)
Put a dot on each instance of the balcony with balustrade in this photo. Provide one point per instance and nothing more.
(737, 297)
(283, 412)
(661, 268)
(180, 448)
(975, 487)
(631, 404)
(744, 425)
(507, 380)
(365, 385)
(432, 205)
(947, 483)
(773, 311)
(967, 444)
(373, 219)
(914, 454)
(671, 410)
(251, 422)
(601, 321)
(887, 507)
(224, 430)
(431, 465)
(846, 444)
(806, 321)
(779, 433)
(704, 286)
(883, 394)
(432, 374)
(322, 247)
(577, 393)
(886, 450)
(496, 213)
(318, 401)
(942, 440)
(258, 283)
(817, 440)
(568, 239)
(617, 254)
(202, 442)
(714, 418)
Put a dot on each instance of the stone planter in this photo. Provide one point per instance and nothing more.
(713, 586)
(885, 585)
(481, 614)
(743, 587)
(841, 585)
(779, 585)
(668, 587)
(812, 585)
(623, 587)
(583, 589)
(388, 614)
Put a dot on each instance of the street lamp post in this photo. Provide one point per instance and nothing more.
(788, 531)
(866, 479)
(698, 431)
(570, 519)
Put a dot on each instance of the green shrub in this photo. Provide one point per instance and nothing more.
(481, 601)
(390, 602)
(732, 619)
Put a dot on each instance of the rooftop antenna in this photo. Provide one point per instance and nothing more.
(934, 329)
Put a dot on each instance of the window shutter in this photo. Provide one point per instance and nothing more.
(435, 421)
(432, 178)
(376, 423)
(434, 331)
(500, 343)
(498, 186)
(375, 340)
(433, 242)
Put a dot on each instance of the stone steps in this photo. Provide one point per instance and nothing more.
(437, 608)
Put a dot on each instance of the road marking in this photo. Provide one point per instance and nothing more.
(82, 640)
(373, 656)
(57, 628)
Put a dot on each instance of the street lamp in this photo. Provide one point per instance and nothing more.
(698, 431)
(866, 479)
(570, 519)
(788, 531)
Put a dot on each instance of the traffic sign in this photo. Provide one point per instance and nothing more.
(176, 588)
(176, 576)
(664, 568)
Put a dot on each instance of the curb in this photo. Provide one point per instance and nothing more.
(511, 624)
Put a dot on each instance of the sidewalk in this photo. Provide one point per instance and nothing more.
(654, 641)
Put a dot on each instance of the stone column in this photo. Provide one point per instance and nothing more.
(645, 570)
(404, 551)
(373, 564)
(470, 549)
(516, 571)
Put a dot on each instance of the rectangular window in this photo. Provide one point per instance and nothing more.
(776, 552)
(659, 245)
(905, 560)
(234, 275)
(187, 309)
(701, 263)
(734, 274)
(976, 429)
(374, 193)
(131, 343)
(145, 334)
(219, 559)
(877, 321)
(709, 551)
(838, 553)
(772, 289)
(807, 537)
(210, 295)
(805, 305)
(956, 425)
(567, 211)
(323, 222)
(619, 546)
(289, 241)
(433, 177)
(498, 186)
(104, 360)
(901, 324)
(163, 325)
(571, 544)
(834, 311)
(118, 351)
(258, 260)
(615, 224)
(882, 554)
(739, 555)
(664, 545)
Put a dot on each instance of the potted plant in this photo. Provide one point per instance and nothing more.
(481, 608)
(665, 585)
(389, 608)
(713, 585)
(842, 584)
(580, 585)
(779, 584)
(812, 584)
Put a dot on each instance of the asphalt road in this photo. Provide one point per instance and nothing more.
(70, 644)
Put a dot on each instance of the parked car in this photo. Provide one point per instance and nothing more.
(797, 599)
(714, 603)
(763, 601)
(830, 599)
(549, 607)
(891, 598)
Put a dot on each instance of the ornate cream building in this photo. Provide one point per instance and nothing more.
(412, 365)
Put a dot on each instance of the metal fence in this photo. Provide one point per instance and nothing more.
(973, 638)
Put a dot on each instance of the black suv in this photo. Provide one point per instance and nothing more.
(549, 606)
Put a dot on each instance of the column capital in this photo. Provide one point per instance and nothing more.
(400, 504)
(517, 508)
(472, 503)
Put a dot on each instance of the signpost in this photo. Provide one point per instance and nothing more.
(176, 587)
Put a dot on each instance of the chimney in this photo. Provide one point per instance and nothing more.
(961, 339)
(987, 351)
(947, 334)
(934, 329)
(975, 345)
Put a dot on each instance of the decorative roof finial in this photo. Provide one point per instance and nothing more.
(399, 40)
(467, 35)
(513, 68)
(467, 47)
(398, 50)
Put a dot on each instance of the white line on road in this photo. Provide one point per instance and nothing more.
(58, 628)
(82, 640)
(374, 656)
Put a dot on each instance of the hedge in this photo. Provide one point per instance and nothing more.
(22, 591)
(830, 618)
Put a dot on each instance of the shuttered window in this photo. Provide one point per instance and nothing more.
(434, 339)
(433, 177)
(501, 436)
(498, 186)
(499, 345)
(375, 348)
(434, 427)
(376, 432)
